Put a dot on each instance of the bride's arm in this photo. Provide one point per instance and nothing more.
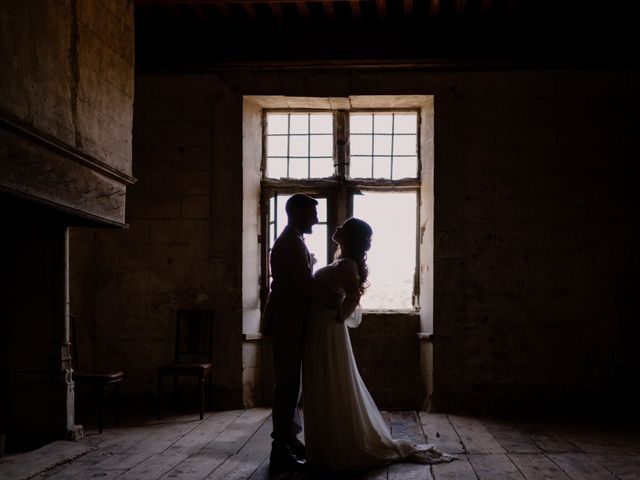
(351, 283)
(296, 264)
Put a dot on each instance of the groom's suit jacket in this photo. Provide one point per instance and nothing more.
(292, 287)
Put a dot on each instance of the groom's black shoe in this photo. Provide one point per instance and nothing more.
(283, 460)
(298, 449)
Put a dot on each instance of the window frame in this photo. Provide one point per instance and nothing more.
(338, 189)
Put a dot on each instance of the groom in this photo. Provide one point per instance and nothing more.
(292, 290)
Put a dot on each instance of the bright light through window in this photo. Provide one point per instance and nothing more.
(299, 145)
(383, 145)
(392, 258)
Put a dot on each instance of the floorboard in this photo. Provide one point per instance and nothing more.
(474, 436)
(235, 445)
(459, 469)
(493, 466)
(534, 466)
(511, 437)
(438, 429)
(578, 466)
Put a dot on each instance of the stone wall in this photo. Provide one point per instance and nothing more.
(536, 222)
(181, 250)
(535, 225)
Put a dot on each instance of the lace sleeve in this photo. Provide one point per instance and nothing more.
(351, 283)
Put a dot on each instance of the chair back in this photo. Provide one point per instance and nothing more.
(194, 336)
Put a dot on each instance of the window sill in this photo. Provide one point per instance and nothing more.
(401, 311)
(252, 337)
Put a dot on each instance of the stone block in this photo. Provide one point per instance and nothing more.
(153, 207)
(524, 136)
(179, 231)
(195, 206)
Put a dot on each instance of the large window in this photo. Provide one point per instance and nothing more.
(355, 163)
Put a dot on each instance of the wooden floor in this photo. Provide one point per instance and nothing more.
(234, 445)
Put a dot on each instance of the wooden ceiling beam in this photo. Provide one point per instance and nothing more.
(223, 9)
(219, 2)
(356, 13)
(381, 7)
(173, 10)
(408, 8)
(276, 9)
(251, 12)
(434, 7)
(329, 11)
(303, 11)
(203, 18)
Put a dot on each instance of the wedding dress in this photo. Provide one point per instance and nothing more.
(343, 428)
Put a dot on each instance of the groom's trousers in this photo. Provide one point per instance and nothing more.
(287, 369)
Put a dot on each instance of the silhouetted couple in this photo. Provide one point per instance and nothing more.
(307, 316)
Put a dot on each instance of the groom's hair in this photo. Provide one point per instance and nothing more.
(299, 202)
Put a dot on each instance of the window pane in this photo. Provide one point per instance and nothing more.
(321, 145)
(298, 168)
(404, 145)
(277, 146)
(360, 145)
(405, 123)
(276, 167)
(405, 167)
(360, 167)
(381, 167)
(277, 123)
(282, 215)
(317, 244)
(360, 123)
(299, 123)
(392, 258)
(322, 167)
(272, 234)
(382, 123)
(321, 123)
(382, 145)
(322, 209)
(298, 146)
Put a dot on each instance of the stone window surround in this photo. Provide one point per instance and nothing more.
(253, 107)
(252, 162)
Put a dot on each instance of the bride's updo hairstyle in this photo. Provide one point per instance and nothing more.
(354, 240)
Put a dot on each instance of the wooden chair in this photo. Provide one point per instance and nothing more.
(99, 381)
(193, 353)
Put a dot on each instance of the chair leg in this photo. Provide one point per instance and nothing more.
(210, 391)
(117, 404)
(202, 397)
(103, 394)
(176, 393)
(159, 396)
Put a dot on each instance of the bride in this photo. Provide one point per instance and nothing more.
(342, 426)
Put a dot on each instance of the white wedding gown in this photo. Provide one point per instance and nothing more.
(343, 428)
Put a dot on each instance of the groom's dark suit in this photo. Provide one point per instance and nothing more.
(284, 317)
(292, 286)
